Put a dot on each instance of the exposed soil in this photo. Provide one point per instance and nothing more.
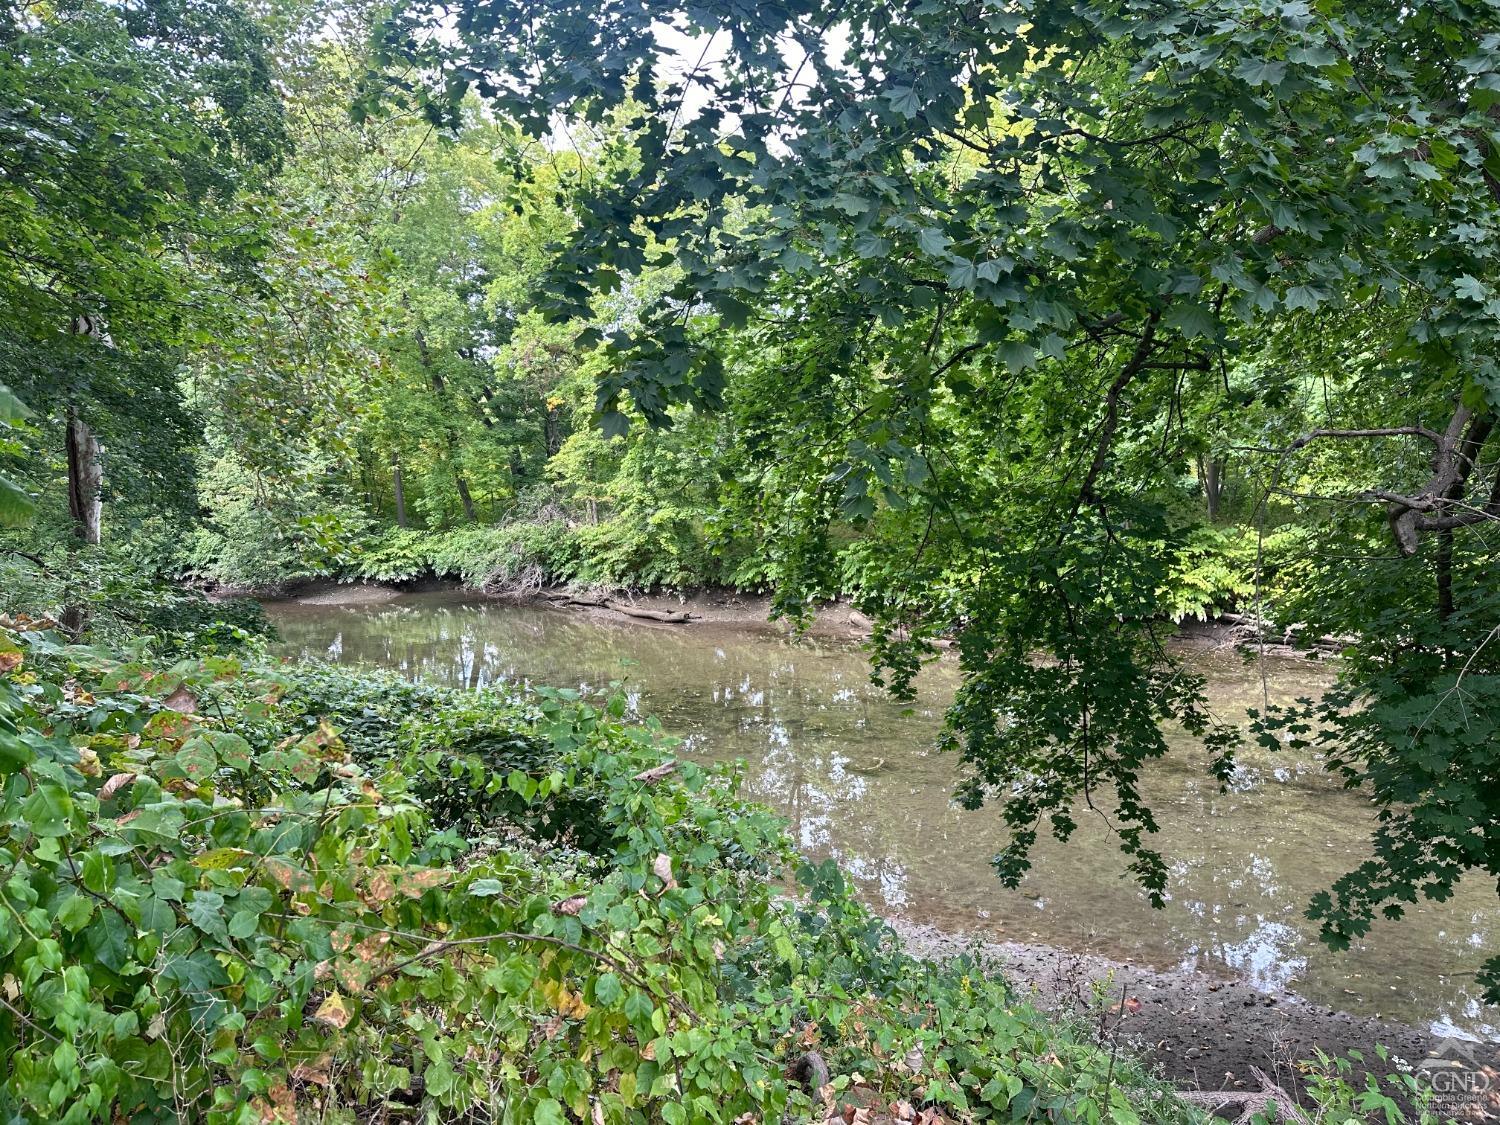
(355, 594)
(1201, 1032)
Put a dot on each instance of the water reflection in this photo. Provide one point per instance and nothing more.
(857, 777)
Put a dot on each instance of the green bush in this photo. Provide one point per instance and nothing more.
(226, 902)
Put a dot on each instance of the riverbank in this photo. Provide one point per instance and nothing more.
(726, 607)
(1201, 1032)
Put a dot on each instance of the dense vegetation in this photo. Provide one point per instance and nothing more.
(1033, 328)
(240, 893)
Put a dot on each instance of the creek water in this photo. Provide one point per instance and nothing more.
(857, 777)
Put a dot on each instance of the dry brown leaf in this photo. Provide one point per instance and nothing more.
(380, 889)
(10, 661)
(416, 883)
(280, 1105)
(314, 1074)
(570, 905)
(115, 784)
(88, 763)
(182, 701)
(1131, 1005)
(661, 867)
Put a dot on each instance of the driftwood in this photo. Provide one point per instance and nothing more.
(656, 773)
(1293, 636)
(601, 601)
(1249, 1102)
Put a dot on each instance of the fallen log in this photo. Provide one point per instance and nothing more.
(588, 601)
(1291, 636)
(601, 601)
(1250, 1103)
(670, 616)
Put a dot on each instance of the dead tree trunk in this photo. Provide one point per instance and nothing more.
(85, 480)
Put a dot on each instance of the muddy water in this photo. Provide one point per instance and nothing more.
(857, 777)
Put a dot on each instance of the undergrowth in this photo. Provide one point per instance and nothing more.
(243, 893)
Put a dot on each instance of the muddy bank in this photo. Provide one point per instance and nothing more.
(331, 593)
(715, 606)
(1202, 1032)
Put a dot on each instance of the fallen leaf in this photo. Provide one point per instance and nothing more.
(913, 1059)
(115, 784)
(1131, 1005)
(88, 763)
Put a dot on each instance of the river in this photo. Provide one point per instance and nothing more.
(858, 778)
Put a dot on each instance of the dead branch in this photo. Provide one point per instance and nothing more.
(1250, 1102)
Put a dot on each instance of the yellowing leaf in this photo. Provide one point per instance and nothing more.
(334, 1011)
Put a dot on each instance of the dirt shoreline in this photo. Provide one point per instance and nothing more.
(1199, 1031)
(712, 606)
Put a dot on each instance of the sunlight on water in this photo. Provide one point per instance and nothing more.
(857, 777)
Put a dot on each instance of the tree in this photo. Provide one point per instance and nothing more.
(993, 259)
(126, 133)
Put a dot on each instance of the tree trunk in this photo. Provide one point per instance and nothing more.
(85, 480)
(1445, 574)
(1211, 470)
(468, 500)
(400, 492)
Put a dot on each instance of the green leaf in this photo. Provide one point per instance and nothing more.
(549, 1112)
(47, 810)
(197, 759)
(1471, 288)
(16, 507)
(607, 989)
(12, 409)
(243, 923)
(614, 424)
(1261, 72)
(1193, 320)
(75, 912)
(904, 100)
(206, 911)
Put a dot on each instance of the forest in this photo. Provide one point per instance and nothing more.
(1032, 331)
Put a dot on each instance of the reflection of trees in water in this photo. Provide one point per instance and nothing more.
(857, 779)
